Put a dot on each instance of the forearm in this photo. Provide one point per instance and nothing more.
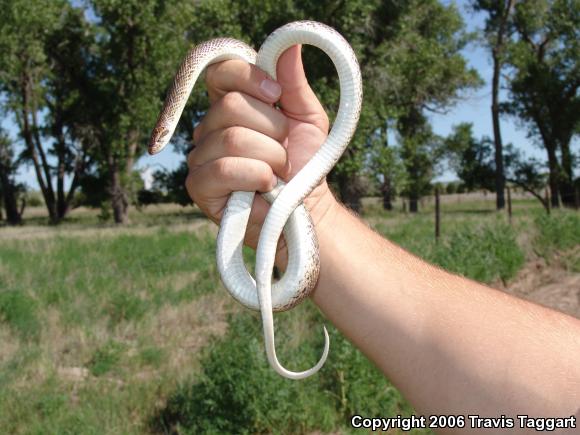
(452, 346)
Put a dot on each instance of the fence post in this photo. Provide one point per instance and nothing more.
(509, 198)
(437, 215)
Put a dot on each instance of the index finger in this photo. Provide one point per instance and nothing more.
(240, 76)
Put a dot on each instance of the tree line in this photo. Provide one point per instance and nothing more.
(84, 81)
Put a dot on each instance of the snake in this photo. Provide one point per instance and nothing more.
(287, 213)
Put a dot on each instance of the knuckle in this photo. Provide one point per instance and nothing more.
(192, 187)
(231, 101)
(266, 180)
(233, 137)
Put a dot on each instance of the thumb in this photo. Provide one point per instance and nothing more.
(298, 100)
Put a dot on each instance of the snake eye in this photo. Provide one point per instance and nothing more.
(162, 133)
(159, 133)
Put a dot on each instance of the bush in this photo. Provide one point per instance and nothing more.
(238, 392)
(484, 254)
(452, 187)
(559, 231)
(34, 199)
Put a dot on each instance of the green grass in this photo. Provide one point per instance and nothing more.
(561, 231)
(107, 330)
(482, 250)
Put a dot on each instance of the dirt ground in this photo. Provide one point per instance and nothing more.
(550, 285)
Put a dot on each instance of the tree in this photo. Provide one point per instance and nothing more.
(471, 159)
(497, 33)
(172, 184)
(9, 189)
(138, 45)
(544, 81)
(386, 166)
(527, 174)
(43, 45)
(419, 151)
(426, 72)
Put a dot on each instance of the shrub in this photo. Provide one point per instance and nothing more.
(559, 231)
(483, 253)
(19, 311)
(238, 392)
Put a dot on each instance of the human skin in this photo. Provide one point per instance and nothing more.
(450, 345)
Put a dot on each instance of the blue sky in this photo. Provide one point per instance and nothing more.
(474, 107)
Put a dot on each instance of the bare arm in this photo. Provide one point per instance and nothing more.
(452, 346)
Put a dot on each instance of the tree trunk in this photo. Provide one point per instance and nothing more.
(554, 175)
(386, 190)
(26, 130)
(119, 201)
(499, 171)
(350, 191)
(497, 64)
(7, 188)
(567, 193)
(13, 217)
(413, 203)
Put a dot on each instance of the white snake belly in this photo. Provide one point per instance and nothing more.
(287, 213)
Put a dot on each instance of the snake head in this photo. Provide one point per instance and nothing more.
(158, 139)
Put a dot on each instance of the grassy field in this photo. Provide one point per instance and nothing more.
(128, 330)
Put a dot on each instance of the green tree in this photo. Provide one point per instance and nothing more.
(527, 173)
(425, 72)
(172, 184)
(544, 81)
(386, 166)
(420, 151)
(471, 159)
(43, 44)
(496, 34)
(9, 189)
(138, 46)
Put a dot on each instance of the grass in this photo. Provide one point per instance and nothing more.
(127, 330)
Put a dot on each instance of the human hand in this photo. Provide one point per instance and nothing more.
(243, 142)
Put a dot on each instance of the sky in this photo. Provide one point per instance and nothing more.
(474, 107)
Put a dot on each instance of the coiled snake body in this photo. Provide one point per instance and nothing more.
(287, 213)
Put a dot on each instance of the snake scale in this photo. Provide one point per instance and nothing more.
(287, 213)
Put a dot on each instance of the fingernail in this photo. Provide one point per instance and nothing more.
(274, 181)
(271, 89)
